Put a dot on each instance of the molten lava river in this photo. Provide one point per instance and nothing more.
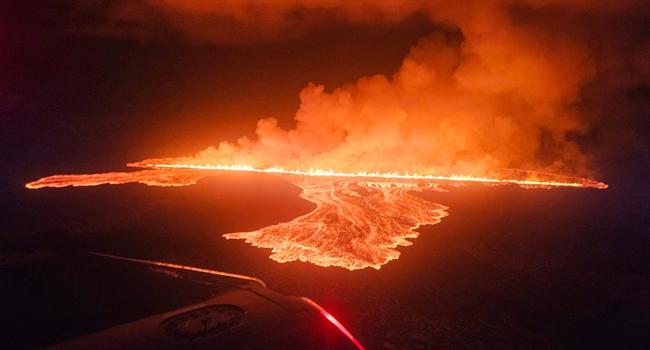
(355, 224)
(358, 222)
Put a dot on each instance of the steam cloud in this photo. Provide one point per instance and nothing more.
(503, 88)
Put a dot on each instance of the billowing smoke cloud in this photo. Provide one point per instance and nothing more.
(505, 90)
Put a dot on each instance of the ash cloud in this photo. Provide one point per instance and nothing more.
(513, 85)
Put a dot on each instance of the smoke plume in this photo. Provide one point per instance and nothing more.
(503, 87)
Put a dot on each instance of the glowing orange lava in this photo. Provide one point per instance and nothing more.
(359, 220)
(152, 177)
(354, 225)
(532, 180)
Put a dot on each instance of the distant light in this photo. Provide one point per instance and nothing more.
(336, 323)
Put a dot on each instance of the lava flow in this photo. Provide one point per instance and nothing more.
(152, 177)
(355, 224)
(359, 220)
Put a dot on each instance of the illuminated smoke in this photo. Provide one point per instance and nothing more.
(451, 108)
(494, 91)
(500, 98)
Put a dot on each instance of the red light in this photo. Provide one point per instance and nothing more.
(335, 322)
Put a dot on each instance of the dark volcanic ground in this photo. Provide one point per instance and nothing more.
(509, 268)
